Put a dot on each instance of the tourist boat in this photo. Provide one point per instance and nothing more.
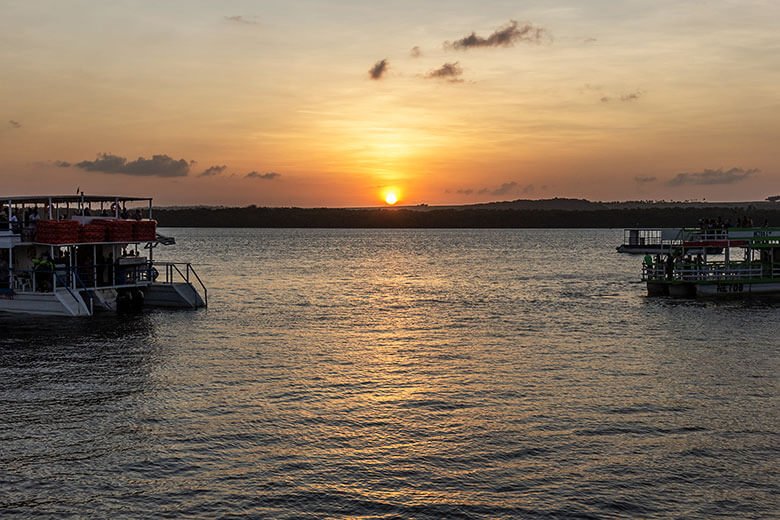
(750, 265)
(76, 255)
(658, 241)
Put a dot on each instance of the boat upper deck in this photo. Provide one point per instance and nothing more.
(75, 219)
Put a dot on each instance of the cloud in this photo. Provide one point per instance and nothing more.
(416, 52)
(503, 37)
(157, 166)
(507, 188)
(589, 41)
(241, 20)
(378, 70)
(212, 171)
(448, 71)
(632, 96)
(15, 124)
(626, 98)
(264, 176)
(643, 179)
(710, 177)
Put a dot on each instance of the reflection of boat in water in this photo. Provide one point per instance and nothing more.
(83, 254)
(750, 265)
(658, 241)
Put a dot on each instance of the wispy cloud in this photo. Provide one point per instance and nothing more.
(632, 96)
(416, 52)
(507, 188)
(506, 36)
(449, 71)
(241, 20)
(625, 98)
(263, 176)
(15, 124)
(644, 179)
(212, 171)
(378, 70)
(710, 177)
(157, 166)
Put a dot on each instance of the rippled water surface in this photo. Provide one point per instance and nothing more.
(397, 374)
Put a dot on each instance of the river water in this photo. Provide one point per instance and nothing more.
(397, 374)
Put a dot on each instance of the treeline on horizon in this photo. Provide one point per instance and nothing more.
(263, 217)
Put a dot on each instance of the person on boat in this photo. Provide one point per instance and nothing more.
(137, 214)
(669, 266)
(43, 267)
(125, 215)
(648, 261)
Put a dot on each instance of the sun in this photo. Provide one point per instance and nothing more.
(391, 197)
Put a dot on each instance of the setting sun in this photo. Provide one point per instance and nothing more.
(391, 197)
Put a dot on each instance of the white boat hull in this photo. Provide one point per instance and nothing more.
(59, 303)
(712, 290)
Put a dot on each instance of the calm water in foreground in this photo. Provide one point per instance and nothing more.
(397, 374)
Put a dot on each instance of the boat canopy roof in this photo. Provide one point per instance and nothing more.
(70, 199)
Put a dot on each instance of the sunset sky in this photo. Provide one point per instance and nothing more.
(332, 103)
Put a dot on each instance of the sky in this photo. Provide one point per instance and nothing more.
(335, 103)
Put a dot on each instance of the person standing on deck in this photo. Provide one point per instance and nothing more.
(648, 261)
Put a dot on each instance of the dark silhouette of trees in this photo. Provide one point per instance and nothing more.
(253, 216)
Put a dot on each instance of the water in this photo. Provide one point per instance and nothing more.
(397, 374)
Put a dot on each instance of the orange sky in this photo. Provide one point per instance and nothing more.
(276, 104)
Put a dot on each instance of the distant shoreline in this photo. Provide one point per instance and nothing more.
(477, 217)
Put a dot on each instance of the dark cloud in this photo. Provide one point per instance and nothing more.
(589, 41)
(15, 124)
(643, 179)
(264, 176)
(212, 171)
(467, 191)
(448, 71)
(605, 99)
(379, 69)
(506, 36)
(416, 52)
(157, 166)
(63, 164)
(240, 19)
(710, 177)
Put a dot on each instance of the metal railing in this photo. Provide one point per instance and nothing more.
(182, 272)
(104, 276)
(711, 271)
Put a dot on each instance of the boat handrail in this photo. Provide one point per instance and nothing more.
(710, 271)
(175, 267)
